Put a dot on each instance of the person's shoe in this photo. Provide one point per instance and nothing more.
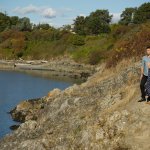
(142, 100)
(148, 102)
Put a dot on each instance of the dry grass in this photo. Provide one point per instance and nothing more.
(106, 73)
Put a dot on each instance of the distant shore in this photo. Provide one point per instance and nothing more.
(63, 67)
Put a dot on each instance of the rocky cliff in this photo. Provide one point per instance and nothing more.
(100, 114)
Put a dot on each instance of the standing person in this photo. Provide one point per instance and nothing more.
(147, 85)
(144, 74)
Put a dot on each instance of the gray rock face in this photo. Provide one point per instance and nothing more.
(100, 116)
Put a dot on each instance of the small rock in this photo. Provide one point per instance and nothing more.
(30, 125)
(54, 92)
(100, 134)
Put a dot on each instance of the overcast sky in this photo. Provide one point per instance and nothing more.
(61, 12)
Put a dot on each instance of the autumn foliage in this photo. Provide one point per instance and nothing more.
(133, 44)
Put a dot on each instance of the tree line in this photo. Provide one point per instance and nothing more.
(99, 21)
(96, 23)
(19, 24)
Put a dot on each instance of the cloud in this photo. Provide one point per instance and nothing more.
(116, 17)
(44, 11)
(49, 13)
(26, 10)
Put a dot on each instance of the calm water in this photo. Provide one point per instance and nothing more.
(18, 86)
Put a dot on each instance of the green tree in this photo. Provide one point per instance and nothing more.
(67, 27)
(24, 24)
(44, 26)
(14, 20)
(79, 25)
(127, 16)
(98, 22)
(4, 21)
(142, 14)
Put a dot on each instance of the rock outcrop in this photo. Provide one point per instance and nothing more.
(100, 114)
(27, 110)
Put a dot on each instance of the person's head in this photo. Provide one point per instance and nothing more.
(148, 50)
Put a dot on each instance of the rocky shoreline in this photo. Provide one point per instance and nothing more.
(28, 109)
(63, 67)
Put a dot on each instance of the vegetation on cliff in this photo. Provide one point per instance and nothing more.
(93, 38)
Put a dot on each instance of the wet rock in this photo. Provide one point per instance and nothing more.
(14, 127)
(26, 110)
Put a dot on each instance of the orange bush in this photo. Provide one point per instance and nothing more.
(131, 46)
(17, 44)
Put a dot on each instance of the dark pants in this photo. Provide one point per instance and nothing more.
(142, 86)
